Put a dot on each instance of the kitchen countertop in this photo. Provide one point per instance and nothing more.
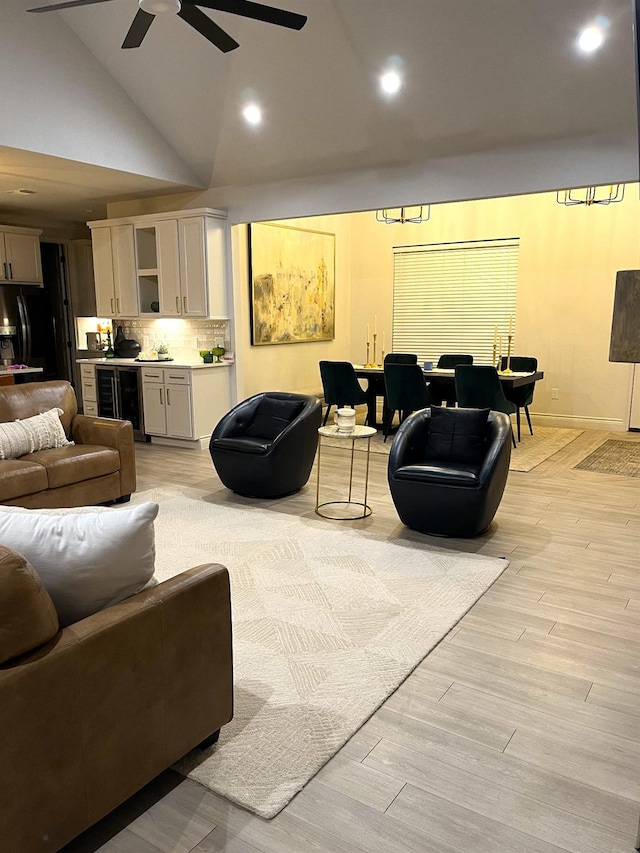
(5, 372)
(131, 362)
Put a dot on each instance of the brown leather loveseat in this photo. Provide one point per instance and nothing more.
(99, 467)
(91, 713)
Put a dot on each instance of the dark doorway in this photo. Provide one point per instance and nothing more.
(48, 309)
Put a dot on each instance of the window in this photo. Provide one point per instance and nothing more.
(449, 297)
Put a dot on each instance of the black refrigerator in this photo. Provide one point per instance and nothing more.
(38, 318)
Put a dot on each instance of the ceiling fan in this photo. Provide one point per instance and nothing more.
(188, 10)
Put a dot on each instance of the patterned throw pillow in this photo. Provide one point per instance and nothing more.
(40, 432)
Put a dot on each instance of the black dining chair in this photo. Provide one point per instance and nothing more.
(400, 358)
(523, 395)
(478, 387)
(405, 392)
(443, 390)
(340, 385)
(394, 358)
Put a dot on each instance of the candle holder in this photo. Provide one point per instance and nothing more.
(368, 363)
(495, 356)
(508, 367)
(375, 338)
(382, 355)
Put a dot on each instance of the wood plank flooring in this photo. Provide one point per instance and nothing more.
(519, 732)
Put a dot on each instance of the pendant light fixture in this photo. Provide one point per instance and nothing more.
(591, 195)
(401, 215)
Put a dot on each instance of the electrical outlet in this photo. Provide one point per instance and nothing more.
(554, 393)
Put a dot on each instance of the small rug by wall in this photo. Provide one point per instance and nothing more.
(614, 457)
(328, 620)
(530, 452)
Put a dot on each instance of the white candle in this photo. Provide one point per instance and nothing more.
(383, 342)
(510, 323)
(368, 338)
(375, 324)
(495, 335)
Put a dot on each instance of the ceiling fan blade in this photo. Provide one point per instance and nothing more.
(207, 28)
(257, 11)
(138, 29)
(67, 5)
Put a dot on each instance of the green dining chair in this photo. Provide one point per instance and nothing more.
(406, 392)
(478, 387)
(522, 396)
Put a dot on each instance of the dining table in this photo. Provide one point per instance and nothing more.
(375, 383)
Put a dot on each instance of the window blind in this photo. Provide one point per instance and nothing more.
(449, 297)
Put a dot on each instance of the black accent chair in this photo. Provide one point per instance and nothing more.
(265, 446)
(446, 494)
(340, 385)
(443, 390)
(522, 396)
(405, 392)
(478, 387)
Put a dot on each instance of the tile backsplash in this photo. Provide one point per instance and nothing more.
(183, 337)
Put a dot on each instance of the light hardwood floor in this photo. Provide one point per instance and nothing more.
(519, 732)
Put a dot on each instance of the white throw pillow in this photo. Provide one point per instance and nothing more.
(41, 432)
(86, 560)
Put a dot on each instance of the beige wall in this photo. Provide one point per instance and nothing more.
(290, 367)
(568, 261)
(566, 281)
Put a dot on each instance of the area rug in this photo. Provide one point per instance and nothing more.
(530, 452)
(328, 620)
(614, 457)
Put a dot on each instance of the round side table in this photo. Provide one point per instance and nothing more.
(363, 509)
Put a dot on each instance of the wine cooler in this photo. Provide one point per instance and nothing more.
(119, 392)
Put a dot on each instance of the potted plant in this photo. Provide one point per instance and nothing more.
(206, 355)
(163, 352)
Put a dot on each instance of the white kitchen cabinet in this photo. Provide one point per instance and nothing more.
(183, 405)
(89, 390)
(166, 397)
(20, 260)
(180, 264)
(114, 267)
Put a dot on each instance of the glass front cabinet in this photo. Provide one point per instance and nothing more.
(179, 265)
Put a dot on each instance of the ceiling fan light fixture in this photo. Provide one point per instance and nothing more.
(160, 7)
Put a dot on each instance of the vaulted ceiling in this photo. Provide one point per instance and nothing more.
(480, 75)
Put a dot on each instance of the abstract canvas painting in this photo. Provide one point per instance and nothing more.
(292, 273)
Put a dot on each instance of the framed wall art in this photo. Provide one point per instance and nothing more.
(292, 279)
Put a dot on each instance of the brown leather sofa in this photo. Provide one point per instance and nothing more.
(106, 704)
(98, 468)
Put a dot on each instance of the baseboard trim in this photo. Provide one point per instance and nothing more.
(186, 443)
(578, 422)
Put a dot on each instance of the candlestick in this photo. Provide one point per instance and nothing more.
(375, 338)
(500, 352)
(368, 363)
(494, 362)
(508, 367)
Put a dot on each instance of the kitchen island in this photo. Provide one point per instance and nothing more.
(176, 402)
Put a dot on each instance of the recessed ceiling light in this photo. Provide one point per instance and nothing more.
(21, 192)
(390, 82)
(591, 37)
(252, 114)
